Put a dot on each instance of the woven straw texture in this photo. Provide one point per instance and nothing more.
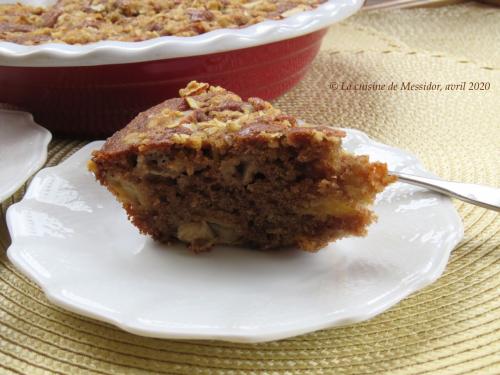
(450, 327)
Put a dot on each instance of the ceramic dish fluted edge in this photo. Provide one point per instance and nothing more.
(114, 277)
(23, 149)
(221, 40)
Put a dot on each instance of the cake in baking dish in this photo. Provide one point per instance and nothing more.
(208, 168)
(86, 21)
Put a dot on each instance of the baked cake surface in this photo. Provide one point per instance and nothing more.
(208, 168)
(86, 21)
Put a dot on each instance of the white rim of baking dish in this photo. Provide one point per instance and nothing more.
(166, 47)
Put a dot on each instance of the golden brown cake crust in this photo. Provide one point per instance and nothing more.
(86, 21)
(209, 168)
(210, 115)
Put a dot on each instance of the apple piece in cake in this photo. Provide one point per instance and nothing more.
(209, 168)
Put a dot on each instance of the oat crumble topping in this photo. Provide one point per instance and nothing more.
(217, 116)
(87, 21)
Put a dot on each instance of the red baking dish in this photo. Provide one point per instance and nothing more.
(93, 90)
(95, 101)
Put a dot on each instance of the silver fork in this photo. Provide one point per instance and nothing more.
(385, 4)
(479, 195)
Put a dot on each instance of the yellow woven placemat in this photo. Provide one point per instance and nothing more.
(450, 327)
(467, 31)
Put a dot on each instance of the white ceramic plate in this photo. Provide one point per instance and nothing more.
(166, 47)
(73, 239)
(23, 150)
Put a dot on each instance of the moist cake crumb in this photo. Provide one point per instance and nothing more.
(208, 168)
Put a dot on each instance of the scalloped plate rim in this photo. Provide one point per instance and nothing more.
(238, 335)
(47, 137)
(166, 47)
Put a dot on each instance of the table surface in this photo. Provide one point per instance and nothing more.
(450, 327)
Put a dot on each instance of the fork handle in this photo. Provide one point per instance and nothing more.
(484, 196)
(383, 4)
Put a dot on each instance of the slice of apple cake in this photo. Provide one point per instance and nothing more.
(209, 168)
